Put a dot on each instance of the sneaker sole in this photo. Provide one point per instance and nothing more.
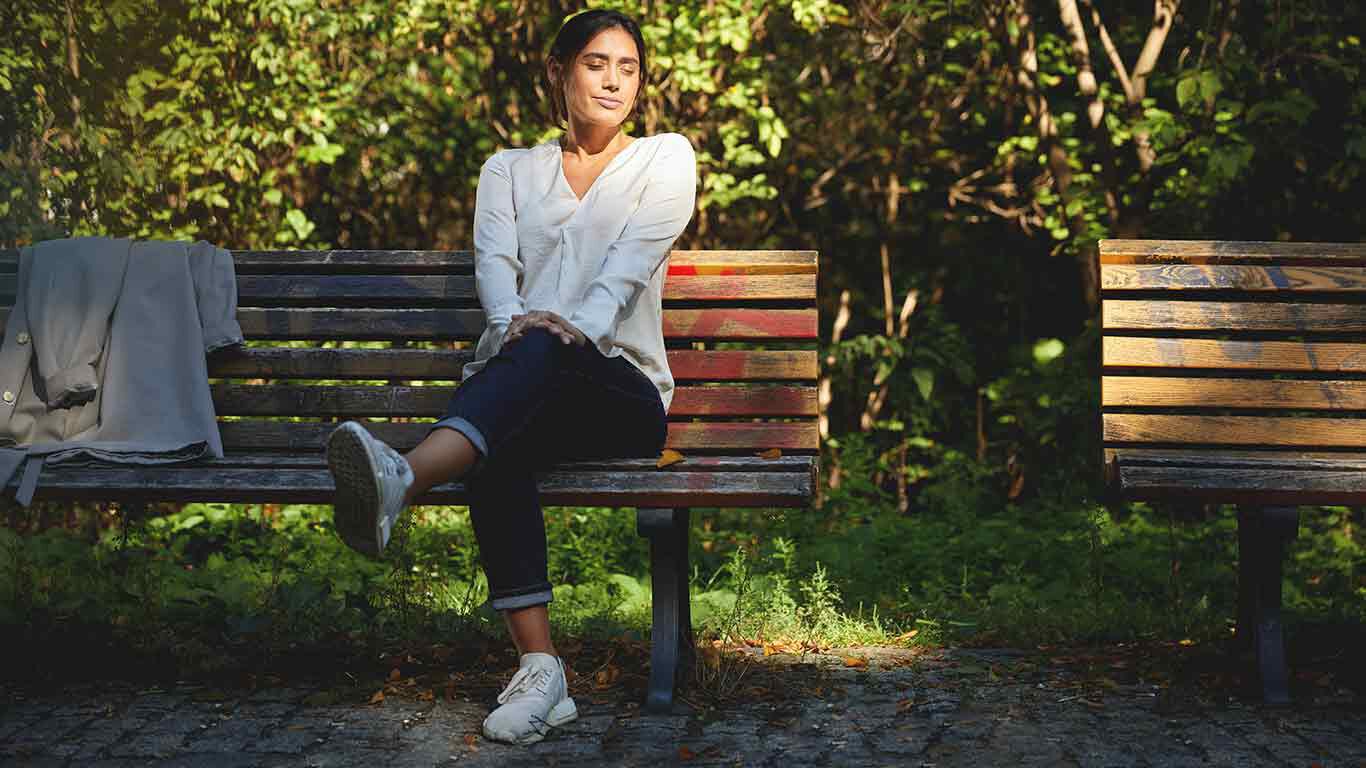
(564, 712)
(357, 496)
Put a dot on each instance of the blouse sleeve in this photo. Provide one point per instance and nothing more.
(666, 206)
(497, 268)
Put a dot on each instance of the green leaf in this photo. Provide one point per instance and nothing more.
(1186, 90)
(189, 522)
(299, 223)
(924, 381)
(1210, 86)
(1047, 350)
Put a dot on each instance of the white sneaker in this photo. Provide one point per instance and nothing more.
(371, 479)
(536, 700)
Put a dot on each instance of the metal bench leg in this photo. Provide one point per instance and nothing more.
(672, 643)
(1263, 533)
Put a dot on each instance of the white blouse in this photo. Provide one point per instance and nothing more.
(599, 262)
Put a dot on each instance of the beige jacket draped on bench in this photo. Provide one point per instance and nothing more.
(104, 353)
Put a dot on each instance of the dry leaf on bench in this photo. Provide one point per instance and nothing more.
(667, 458)
(771, 453)
(855, 661)
(377, 698)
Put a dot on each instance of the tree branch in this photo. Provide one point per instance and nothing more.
(1164, 15)
(1112, 53)
(1081, 53)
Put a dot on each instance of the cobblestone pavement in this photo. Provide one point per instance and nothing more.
(944, 708)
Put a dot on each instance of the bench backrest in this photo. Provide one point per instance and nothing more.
(1233, 346)
(383, 335)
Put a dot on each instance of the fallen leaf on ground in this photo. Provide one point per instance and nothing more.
(469, 742)
(855, 661)
(394, 675)
(711, 656)
(377, 698)
(685, 754)
(667, 458)
(606, 676)
(427, 695)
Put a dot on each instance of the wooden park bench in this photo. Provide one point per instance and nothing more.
(1236, 373)
(741, 329)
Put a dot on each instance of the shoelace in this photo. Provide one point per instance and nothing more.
(391, 462)
(526, 679)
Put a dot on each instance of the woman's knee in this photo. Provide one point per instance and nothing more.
(537, 338)
(537, 349)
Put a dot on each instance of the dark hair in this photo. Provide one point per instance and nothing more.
(574, 36)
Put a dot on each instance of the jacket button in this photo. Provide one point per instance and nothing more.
(23, 338)
(9, 396)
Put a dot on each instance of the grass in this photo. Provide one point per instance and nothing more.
(203, 590)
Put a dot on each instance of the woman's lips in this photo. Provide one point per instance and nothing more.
(607, 103)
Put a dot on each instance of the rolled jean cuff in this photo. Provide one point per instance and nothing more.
(541, 596)
(463, 426)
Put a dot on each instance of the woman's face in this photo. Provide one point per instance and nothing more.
(601, 84)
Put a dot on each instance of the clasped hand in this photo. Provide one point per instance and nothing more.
(543, 319)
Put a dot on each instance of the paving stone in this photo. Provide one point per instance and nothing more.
(97, 737)
(230, 735)
(211, 761)
(157, 739)
(32, 762)
(350, 756)
(17, 722)
(931, 713)
(292, 739)
(40, 735)
(267, 710)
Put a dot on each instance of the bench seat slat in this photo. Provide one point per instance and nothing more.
(733, 437)
(1286, 394)
(1235, 459)
(274, 400)
(689, 463)
(1206, 277)
(1263, 485)
(1269, 356)
(1233, 316)
(314, 486)
(1234, 430)
(427, 324)
(439, 364)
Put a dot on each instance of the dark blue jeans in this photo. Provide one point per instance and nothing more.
(537, 402)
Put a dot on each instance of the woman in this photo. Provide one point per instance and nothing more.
(570, 241)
